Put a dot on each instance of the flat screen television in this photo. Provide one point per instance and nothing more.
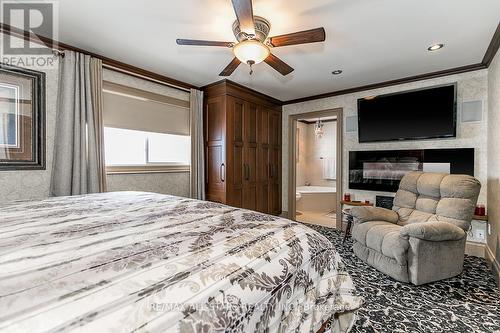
(412, 115)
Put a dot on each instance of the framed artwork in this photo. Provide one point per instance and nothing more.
(22, 119)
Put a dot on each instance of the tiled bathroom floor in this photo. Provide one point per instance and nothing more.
(316, 218)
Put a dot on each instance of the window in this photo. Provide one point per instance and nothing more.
(144, 132)
(125, 147)
(169, 149)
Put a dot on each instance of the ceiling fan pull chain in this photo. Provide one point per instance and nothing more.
(251, 63)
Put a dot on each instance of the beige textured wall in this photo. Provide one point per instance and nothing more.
(493, 239)
(16, 185)
(471, 86)
(166, 183)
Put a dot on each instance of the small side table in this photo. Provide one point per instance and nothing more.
(483, 218)
(349, 217)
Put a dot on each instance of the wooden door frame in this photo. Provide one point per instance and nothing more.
(292, 166)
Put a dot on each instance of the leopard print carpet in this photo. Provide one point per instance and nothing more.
(469, 302)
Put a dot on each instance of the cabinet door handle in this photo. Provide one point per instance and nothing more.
(222, 172)
(269, 171)
(247, 172)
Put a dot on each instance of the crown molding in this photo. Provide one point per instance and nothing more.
(241, 87)
(492, 48)
(432, 75)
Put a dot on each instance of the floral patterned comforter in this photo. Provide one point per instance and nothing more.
(134, 261)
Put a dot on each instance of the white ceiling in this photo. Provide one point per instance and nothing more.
(370, 40)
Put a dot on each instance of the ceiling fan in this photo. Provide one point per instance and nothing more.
(253, 44)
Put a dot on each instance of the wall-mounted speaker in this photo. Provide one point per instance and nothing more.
(472, 111)
(351, 124)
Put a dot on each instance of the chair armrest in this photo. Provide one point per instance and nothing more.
(365, 214)
(433, 231)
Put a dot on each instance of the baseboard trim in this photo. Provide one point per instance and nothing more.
(495, 266)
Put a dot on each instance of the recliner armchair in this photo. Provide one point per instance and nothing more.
(422, 239)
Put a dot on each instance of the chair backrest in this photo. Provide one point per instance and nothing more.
(433, 197)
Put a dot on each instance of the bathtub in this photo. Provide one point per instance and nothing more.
(316, 189)
(320, 199)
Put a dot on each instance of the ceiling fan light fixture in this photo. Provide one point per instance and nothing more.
(251, 51)
(253, 41)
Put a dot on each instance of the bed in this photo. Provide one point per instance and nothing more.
(135, 261)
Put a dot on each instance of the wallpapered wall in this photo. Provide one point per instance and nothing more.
(15, 185)
(493, 238)
(472, 86)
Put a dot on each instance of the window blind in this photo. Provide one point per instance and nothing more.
(135, 109)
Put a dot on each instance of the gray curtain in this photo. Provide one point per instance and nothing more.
(78, 165)
(197, 146)
(97, 104)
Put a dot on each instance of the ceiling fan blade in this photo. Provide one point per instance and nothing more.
(244, 14)
(203, 42)
(301, 37)
(278, 64)
(230, 68)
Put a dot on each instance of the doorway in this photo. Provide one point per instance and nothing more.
(315, 167)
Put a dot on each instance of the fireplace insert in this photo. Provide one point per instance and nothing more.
(381, 170)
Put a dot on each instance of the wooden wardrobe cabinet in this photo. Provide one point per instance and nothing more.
(242, 147)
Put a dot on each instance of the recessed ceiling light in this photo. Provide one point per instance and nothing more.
(337, 72)
(435, 47)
